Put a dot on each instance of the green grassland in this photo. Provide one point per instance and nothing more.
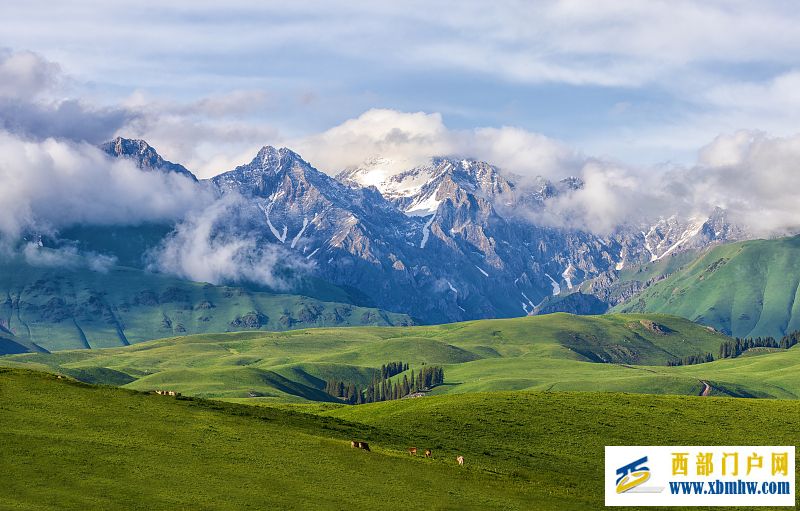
(597, 295)
(613, 353)
(68, 308)
(745, 289)
(67, 445)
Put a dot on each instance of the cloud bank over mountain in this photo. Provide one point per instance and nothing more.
(54, 176)
(410, 139)
(31, 104)
(748, 172)
(211, 246)
(51, 184)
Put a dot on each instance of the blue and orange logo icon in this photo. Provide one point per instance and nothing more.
(632, 475)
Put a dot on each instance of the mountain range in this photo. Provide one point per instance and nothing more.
(446, 241)
(450, 240)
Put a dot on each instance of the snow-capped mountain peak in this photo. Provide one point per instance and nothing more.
(418, 191)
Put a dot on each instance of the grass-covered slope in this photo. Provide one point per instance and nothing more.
(63, 308)
(745, 289)
(773, 373)
(599, 294)
(551, 352)
(71, 446)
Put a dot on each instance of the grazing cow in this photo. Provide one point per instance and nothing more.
(364, 445)
(428, 453)
(353, 444)
(412, 451)
(460, 460)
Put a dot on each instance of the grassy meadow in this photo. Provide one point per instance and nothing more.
(68, 445)
(551, 352)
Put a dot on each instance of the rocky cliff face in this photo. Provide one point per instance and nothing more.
(439, 241)
(144, 156)
(445, 241)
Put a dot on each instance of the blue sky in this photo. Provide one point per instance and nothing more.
(645, 82)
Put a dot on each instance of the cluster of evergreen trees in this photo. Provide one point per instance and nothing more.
(382, 389)
(392, 368)
(691, 359)
(732, 349)
(348, 392)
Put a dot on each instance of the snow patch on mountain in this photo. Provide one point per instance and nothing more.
(426, 231)
(525, 306)
(300, 234)
(568, 274)
(424, 207)
(281, 236)
(556, 287)
(621, 264)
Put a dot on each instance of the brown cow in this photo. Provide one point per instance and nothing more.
(353, 444)
(460, 460)
(364, 445)
(428, 453)
(412, 451)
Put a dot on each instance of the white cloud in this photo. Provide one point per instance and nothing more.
(66, 257)
(612, 196)
(756, 176)
(521, 152)
(24, 74)
(51, 184)
(209, 135)
(727, 150)
(67, 119)
(30, 106)
(751, 174)
(615, 42)
(409, 139)
(210, 246)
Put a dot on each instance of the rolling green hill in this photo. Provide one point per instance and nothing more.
(68, 446)
(67, 308)
(745, 289)
(551, 352)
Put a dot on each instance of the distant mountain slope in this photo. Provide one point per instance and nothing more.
(63, 308)
(10, 344)
(599, 294)
(574, 352)
(744, 289)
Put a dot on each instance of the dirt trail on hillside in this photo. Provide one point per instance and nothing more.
(706, 389)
